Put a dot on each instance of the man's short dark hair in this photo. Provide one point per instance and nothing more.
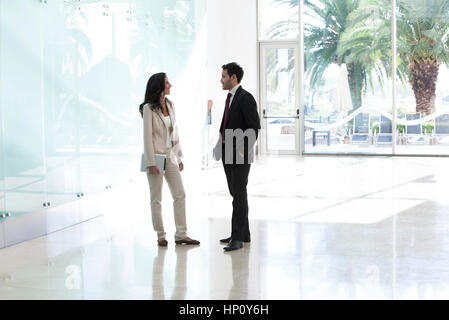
(234, 68)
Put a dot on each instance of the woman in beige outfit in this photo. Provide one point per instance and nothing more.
(160, 134)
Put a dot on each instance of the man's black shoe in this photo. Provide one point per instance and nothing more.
(227, 240)
(234, 245)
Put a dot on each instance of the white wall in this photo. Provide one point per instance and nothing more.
(232, 37)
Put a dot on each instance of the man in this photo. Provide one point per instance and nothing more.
(238, 134)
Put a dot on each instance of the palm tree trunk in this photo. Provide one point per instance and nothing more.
(355, 80)
(424, 72)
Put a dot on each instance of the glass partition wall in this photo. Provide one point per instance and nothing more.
(72, 75)
(349, 49)
(3, 213)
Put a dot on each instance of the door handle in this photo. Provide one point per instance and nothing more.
(281, 117)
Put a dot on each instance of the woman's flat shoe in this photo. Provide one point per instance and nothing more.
(162, 242)
(187, 241)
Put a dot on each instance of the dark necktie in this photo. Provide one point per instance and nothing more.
(228, 99)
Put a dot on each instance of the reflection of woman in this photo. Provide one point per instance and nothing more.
(180, 279)
(161, 137)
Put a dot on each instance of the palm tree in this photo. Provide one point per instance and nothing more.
(329, 20)
(68, 51)
(322, 41)
(422, 42)
(165, 32)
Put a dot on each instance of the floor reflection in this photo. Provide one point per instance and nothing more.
(180, 273)
(320, 230)
(240, 273)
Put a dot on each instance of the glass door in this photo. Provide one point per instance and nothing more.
(279, 99)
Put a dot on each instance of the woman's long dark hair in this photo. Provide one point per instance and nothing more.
(155, 87)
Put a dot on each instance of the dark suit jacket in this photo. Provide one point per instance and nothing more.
(242, 115)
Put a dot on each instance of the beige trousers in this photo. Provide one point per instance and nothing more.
(174, 181)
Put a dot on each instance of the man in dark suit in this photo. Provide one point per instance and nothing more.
(238, 133)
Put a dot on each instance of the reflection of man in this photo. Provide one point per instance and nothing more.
(240, 276)
(240, 121)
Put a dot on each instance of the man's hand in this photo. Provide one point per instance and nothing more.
(181, 166)
(216, 153)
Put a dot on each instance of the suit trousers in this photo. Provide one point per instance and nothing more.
(237, 178)
(174, 181)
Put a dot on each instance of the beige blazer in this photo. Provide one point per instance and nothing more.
(155, 134)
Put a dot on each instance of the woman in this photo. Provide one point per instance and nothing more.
(160, 134)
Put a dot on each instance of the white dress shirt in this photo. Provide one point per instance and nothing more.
(233, 91)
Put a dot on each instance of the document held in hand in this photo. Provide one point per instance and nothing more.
(160, 162)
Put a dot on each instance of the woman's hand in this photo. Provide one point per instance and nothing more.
(181, 166)
(154, 170)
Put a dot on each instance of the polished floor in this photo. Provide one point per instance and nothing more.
(322, 228)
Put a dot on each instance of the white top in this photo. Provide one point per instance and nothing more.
(167, 123)
(233, 91)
